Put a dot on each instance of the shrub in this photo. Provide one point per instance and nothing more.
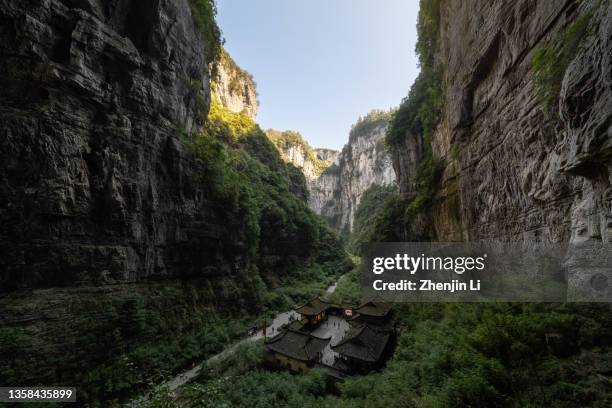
(287, 139)
(365, 124)
(204, 12)
(255, 191)
(550, 62)
(417, 116)
(370, 208)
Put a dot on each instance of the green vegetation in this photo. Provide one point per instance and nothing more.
(365, 124)
(204, 12)
(416, 117)
(294, 292)
(390, 224)
(348, 289)
(115, 341)
(419, 113)
(395, 217)
(238, 381)
(550, 62)
(260, 388)
(370, 210)
(237, 75)
(253, 189)
(227, 126)
(493, 355)
(448, 355)
(332, 169)
(288, 139)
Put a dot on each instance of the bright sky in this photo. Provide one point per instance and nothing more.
(320, 64)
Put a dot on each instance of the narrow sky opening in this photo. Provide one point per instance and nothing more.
(320, 64)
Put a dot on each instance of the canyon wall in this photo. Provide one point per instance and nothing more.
(99, 196)
(337, 180)
(296, 151)
(126, 232)
(327, 155)
(234, 87)
(363, 162)
(96, 184)
(526, 149)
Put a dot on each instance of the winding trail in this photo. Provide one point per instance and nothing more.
(184, 377)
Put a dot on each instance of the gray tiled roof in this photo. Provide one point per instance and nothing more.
(363, 343)
(374, 309)
(297, 325)
(312, 307)
(297, 345)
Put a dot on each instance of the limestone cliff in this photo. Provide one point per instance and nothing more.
(99, 194)
(337, 180)
(96, 184)
(234, 87)
(327, 155)
(125, 231)
(295, 150)
(364, 161)
(524, 131)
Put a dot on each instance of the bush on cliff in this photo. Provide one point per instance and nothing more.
(550, 62)
(254, 189)
(417, 117)
(371, 208)
(204, 12)
(287, 139)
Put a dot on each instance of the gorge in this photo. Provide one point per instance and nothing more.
(148, 222)
(123, 221)
(338, 180)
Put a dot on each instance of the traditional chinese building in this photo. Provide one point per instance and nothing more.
(313, 311)
(295, 350)
(373, 313)
(364, 348)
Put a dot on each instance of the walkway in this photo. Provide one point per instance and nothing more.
(188, 375)
(336, 327)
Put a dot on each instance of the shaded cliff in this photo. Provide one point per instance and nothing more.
(531, 162)
(505, 134)
(520, 121)
(96, 183)
(130, 233)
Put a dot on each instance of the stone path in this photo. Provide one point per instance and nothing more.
(188, 375)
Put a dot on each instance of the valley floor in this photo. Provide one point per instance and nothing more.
(173, 385)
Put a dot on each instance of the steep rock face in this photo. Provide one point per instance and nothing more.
(327, 155)
(99, 195)
(295, 150)
(364, 161)
(123, 236)
(234, 87)
(96, 185)
(515, 168)
(298, 156)
(405, 161)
